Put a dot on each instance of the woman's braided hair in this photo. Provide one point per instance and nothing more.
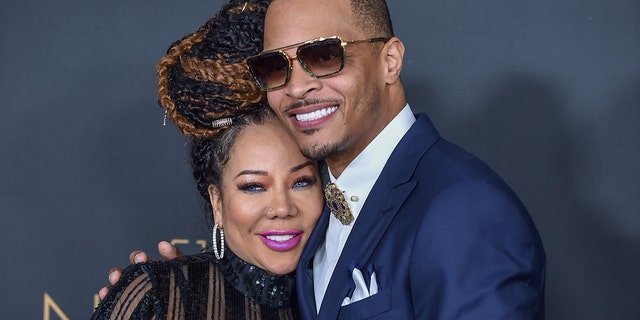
(203, 78)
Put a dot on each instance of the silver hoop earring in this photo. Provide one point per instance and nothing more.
(219, 254)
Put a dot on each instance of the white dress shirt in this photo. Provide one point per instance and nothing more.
(356, 181)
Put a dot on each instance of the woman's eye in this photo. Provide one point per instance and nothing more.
(251, 187)
(304, 182)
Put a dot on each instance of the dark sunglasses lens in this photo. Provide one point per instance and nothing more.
(322, 58)
(269, 70)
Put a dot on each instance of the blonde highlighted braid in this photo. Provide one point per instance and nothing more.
(203, 82)
(203, 77)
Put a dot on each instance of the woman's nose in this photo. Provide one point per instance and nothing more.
(282, 206)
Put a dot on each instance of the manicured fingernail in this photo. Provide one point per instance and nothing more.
(136, 258)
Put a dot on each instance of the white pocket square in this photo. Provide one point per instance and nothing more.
(359, 288)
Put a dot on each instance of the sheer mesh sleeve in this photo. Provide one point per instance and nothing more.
(133, 297)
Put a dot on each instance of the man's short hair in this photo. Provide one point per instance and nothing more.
(372, 16)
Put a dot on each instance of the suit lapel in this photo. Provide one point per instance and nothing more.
(383, 203)
(364, 238)
(304, 271)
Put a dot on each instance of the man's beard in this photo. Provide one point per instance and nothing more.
(318, 151)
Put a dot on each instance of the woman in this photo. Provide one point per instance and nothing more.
(264, 195)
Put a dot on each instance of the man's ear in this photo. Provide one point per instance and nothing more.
(393, 54)
(216, 203)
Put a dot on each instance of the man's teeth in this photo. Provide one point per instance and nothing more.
(316, 114)
(280, 238)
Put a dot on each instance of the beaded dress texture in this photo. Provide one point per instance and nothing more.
(200, 287)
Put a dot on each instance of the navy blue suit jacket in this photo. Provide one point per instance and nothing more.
(447, 237)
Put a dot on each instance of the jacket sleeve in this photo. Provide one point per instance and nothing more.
(477, 255)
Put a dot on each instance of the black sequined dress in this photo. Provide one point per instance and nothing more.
(200, 287)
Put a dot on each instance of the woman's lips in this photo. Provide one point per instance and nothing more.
(281, 241)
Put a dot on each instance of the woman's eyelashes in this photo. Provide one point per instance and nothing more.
(251, 187)
(304, 182)
(298, 184)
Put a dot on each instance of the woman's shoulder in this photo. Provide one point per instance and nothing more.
(177, 270)
(193, 260)
(131, 297)
(144, 287)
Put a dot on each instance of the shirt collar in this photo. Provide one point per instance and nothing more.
(361, 174)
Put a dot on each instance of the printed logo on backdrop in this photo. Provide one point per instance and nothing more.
(51, 308)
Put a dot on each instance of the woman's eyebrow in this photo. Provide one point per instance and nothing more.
(252, 172)
(300, 166)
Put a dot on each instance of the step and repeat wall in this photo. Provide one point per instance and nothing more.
(546, 92)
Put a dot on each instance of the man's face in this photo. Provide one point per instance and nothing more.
(335, 117)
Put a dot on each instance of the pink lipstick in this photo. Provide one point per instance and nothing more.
(281, 240)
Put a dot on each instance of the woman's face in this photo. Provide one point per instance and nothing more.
(270, 198)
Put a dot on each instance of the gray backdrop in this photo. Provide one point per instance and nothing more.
(546, 91)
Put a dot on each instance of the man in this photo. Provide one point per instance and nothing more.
(420, 229)
(446, 238)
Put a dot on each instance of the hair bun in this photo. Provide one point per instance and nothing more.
(203, 77)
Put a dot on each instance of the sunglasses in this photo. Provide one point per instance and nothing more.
(320, 58)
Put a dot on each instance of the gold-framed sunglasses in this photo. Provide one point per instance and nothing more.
(320, 58)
